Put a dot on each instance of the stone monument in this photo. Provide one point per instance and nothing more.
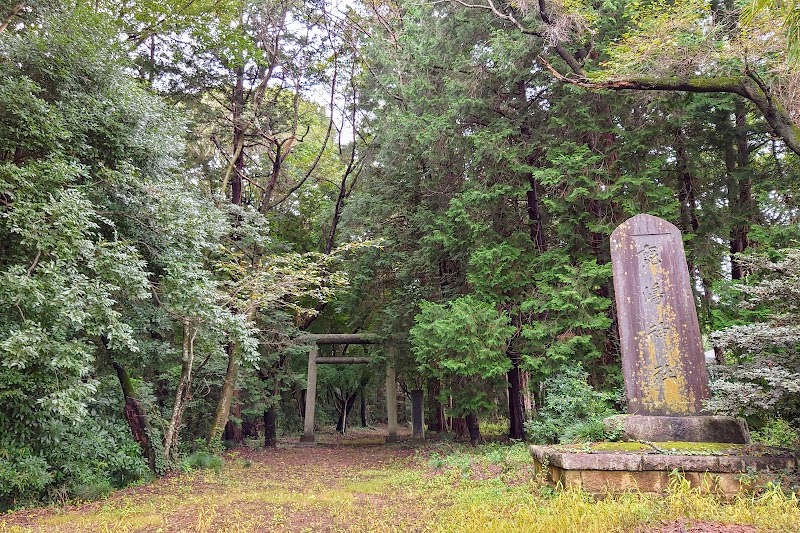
(666, 382)
(662, 354)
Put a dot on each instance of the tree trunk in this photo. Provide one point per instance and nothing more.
(234, 173)
(417, 417)
(740, 190)
(473, 428)
(459, 426)
(516, 413)
(14, 12)
(271, 427)
(344, 407)
(226, 396)
(435, 415)
(136, 416)
(527, 398)
(535, 215)
(749, 86)
(687, 198)
(363, 407)
(183, 391)
(238, 138)
(233, 430)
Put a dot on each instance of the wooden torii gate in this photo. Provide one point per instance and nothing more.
(314, 359)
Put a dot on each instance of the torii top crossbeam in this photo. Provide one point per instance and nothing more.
(340, 338)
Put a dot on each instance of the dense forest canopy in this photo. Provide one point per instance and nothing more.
(188, 188)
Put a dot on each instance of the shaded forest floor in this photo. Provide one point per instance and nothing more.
(348, 485)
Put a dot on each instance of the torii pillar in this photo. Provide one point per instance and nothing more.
(391, 404)
(311, 397)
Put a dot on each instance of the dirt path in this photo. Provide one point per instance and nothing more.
(340, 488)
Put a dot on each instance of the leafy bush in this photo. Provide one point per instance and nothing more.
(23, 477)
(83, 459)
(202, 460)
(777, 432)
(97, 456)
(573, 411)
(462, 343)
(760, 378)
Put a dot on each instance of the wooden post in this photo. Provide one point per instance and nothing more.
(311, 396)
(391, 404)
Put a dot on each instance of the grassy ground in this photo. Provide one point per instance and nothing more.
(437, 487)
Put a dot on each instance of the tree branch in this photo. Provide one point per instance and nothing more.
(14, 12)
(748, 86)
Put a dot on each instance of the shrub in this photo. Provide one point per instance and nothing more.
(762, 353)
(573, 411)
(23, 477)
(777, 432)
(202, 460)
(81, 459)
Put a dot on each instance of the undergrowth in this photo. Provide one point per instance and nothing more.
(443, 487)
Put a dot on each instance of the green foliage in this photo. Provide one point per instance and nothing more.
(462, 344)
(760, 377)
(787, 13)
(83, 460)
(23, 477)
(65, 268)
(777, 432)
(202, 460)
(572, 411)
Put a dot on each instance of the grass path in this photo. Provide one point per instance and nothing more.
(393, 488)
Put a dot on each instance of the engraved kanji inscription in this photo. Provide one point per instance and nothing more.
(653, 293)
(662, 354)
(650, 255)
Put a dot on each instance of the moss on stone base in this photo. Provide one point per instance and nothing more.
(669, 447)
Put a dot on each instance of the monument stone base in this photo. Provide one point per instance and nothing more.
(614, 467)
(680, 428)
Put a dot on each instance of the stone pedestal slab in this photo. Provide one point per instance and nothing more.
(649, 471)
(680, 428)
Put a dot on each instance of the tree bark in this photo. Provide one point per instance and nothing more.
(435, 415)
(226, 396)
(183, 391)
(363, 407)
(516, 414)
(235, 173)
(236, 169)
(417, 417)
(233, 430)
(136, 416)
(527, 399)
(459, 426)
(739, 190)
(14, 12)
(271, 427)
(344, 405)
(688, 205)
(473, 428)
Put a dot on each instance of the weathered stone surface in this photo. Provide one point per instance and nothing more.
(598, 481)
(681, 428)
(649, 472)
(662, 354)
(685, 463)
(587, 461)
